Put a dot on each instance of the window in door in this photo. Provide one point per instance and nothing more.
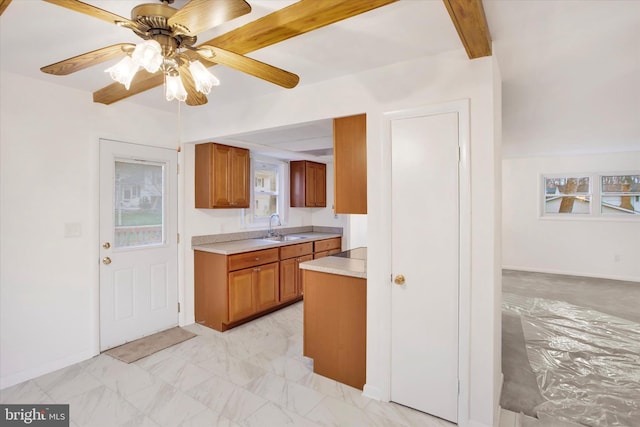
(138, 204)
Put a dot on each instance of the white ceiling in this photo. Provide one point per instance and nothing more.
(572, 57)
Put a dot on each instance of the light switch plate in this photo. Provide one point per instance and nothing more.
(72, 229)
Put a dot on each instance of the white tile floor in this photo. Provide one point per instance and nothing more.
(253, 375)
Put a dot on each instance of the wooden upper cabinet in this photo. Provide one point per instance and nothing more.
(350, 164)
(308, 184)
(222, 176)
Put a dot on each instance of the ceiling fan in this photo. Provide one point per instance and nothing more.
(169, 36)
(176, 30)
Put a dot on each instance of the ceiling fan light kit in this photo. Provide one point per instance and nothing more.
(169, 37)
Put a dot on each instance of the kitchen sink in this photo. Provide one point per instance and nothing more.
(283, 238)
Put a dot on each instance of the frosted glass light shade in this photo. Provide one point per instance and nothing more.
(175, 89)
(148, 54)
(123, 71)
(203, 78)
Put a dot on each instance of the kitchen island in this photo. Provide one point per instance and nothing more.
(335, 316)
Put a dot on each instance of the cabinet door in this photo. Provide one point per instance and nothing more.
(220, 187)
(310, 187)
(299, 284)
(320, 184)
(288, 276)
(239, 178)
(266, 286)
(241, 295)
(350, 164)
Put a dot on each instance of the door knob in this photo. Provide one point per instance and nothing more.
(106, 245)
(106, 260)
(399, 280)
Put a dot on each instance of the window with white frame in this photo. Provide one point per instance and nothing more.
(569, 194)
(573, 195)
(620, 195)
(267, 196)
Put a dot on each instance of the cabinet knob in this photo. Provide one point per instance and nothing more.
(399, 280)
(257, 258)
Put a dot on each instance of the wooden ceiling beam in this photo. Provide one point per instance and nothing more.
(471, 24)
(291, 21)
(3, 5)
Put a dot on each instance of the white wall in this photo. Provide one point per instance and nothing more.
(49, 178)
(583, 247)
(49, 312)
(406, 85)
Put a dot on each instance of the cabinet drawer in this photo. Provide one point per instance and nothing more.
(327, 245)
(293, 251)
(250, 259)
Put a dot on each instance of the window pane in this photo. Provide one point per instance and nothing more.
(266, 180)
(620, 195)
(567, 204)
(265, 205)
(567, 185)
(567, 195)
(138, 204)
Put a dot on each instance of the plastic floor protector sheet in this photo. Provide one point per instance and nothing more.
(587, 363)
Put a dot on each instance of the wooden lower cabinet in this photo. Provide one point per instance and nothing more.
(324, 248)
(291, 277)
(335, 326)
(252, 290)
(233, 289)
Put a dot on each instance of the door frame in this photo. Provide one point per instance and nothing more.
(461, 107)
(178, 229)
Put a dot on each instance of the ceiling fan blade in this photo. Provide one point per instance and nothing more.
(294, 20)
(87, 60)
(299, 18)
(193, 96)
(3, 5)
(200, 15)
(90, 10)
(142, 81)
(252, 66)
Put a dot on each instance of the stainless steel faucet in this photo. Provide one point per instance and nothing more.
(271, 232)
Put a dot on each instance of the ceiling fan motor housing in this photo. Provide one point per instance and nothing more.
(152, 23)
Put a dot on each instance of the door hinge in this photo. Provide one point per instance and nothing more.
(459, 153)
(178, 307)
(178, 238)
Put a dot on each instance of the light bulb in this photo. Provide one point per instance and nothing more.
(203, 78)
(175, 89)
(123, 71)
(148, 54)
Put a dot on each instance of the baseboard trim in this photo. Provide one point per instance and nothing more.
(571, 273)
(22, 376)
(372, 392)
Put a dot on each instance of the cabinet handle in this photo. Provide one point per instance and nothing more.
(258, 269)
(257, 258)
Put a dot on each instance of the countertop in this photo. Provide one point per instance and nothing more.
(351, 263)
(256, 244)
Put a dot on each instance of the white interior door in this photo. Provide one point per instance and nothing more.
(138, 242)
(425, 251)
